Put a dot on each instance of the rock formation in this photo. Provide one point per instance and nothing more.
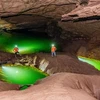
(90, 11)
(61, 86)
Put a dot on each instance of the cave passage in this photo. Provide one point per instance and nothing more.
(27, 42)
(93, 62)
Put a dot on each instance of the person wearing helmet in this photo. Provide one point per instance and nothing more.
(16, 50)
(53, 50)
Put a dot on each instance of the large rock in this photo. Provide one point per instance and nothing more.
(7, 86)
(63, 86)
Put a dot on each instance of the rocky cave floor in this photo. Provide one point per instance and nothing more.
(67, 76)
(52, 65)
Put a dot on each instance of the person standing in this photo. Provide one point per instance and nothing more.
(53, 50)
(16, 50)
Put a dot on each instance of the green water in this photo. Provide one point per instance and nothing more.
(93, 62)
(23, 75)
(26, 44)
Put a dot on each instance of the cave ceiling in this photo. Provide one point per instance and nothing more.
(79, 18)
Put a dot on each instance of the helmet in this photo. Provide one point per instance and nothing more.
(16, 46)
(52, 45)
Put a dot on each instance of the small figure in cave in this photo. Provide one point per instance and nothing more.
(53, 50)
(16, 51)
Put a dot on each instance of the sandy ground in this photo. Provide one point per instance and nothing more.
(65, 63)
